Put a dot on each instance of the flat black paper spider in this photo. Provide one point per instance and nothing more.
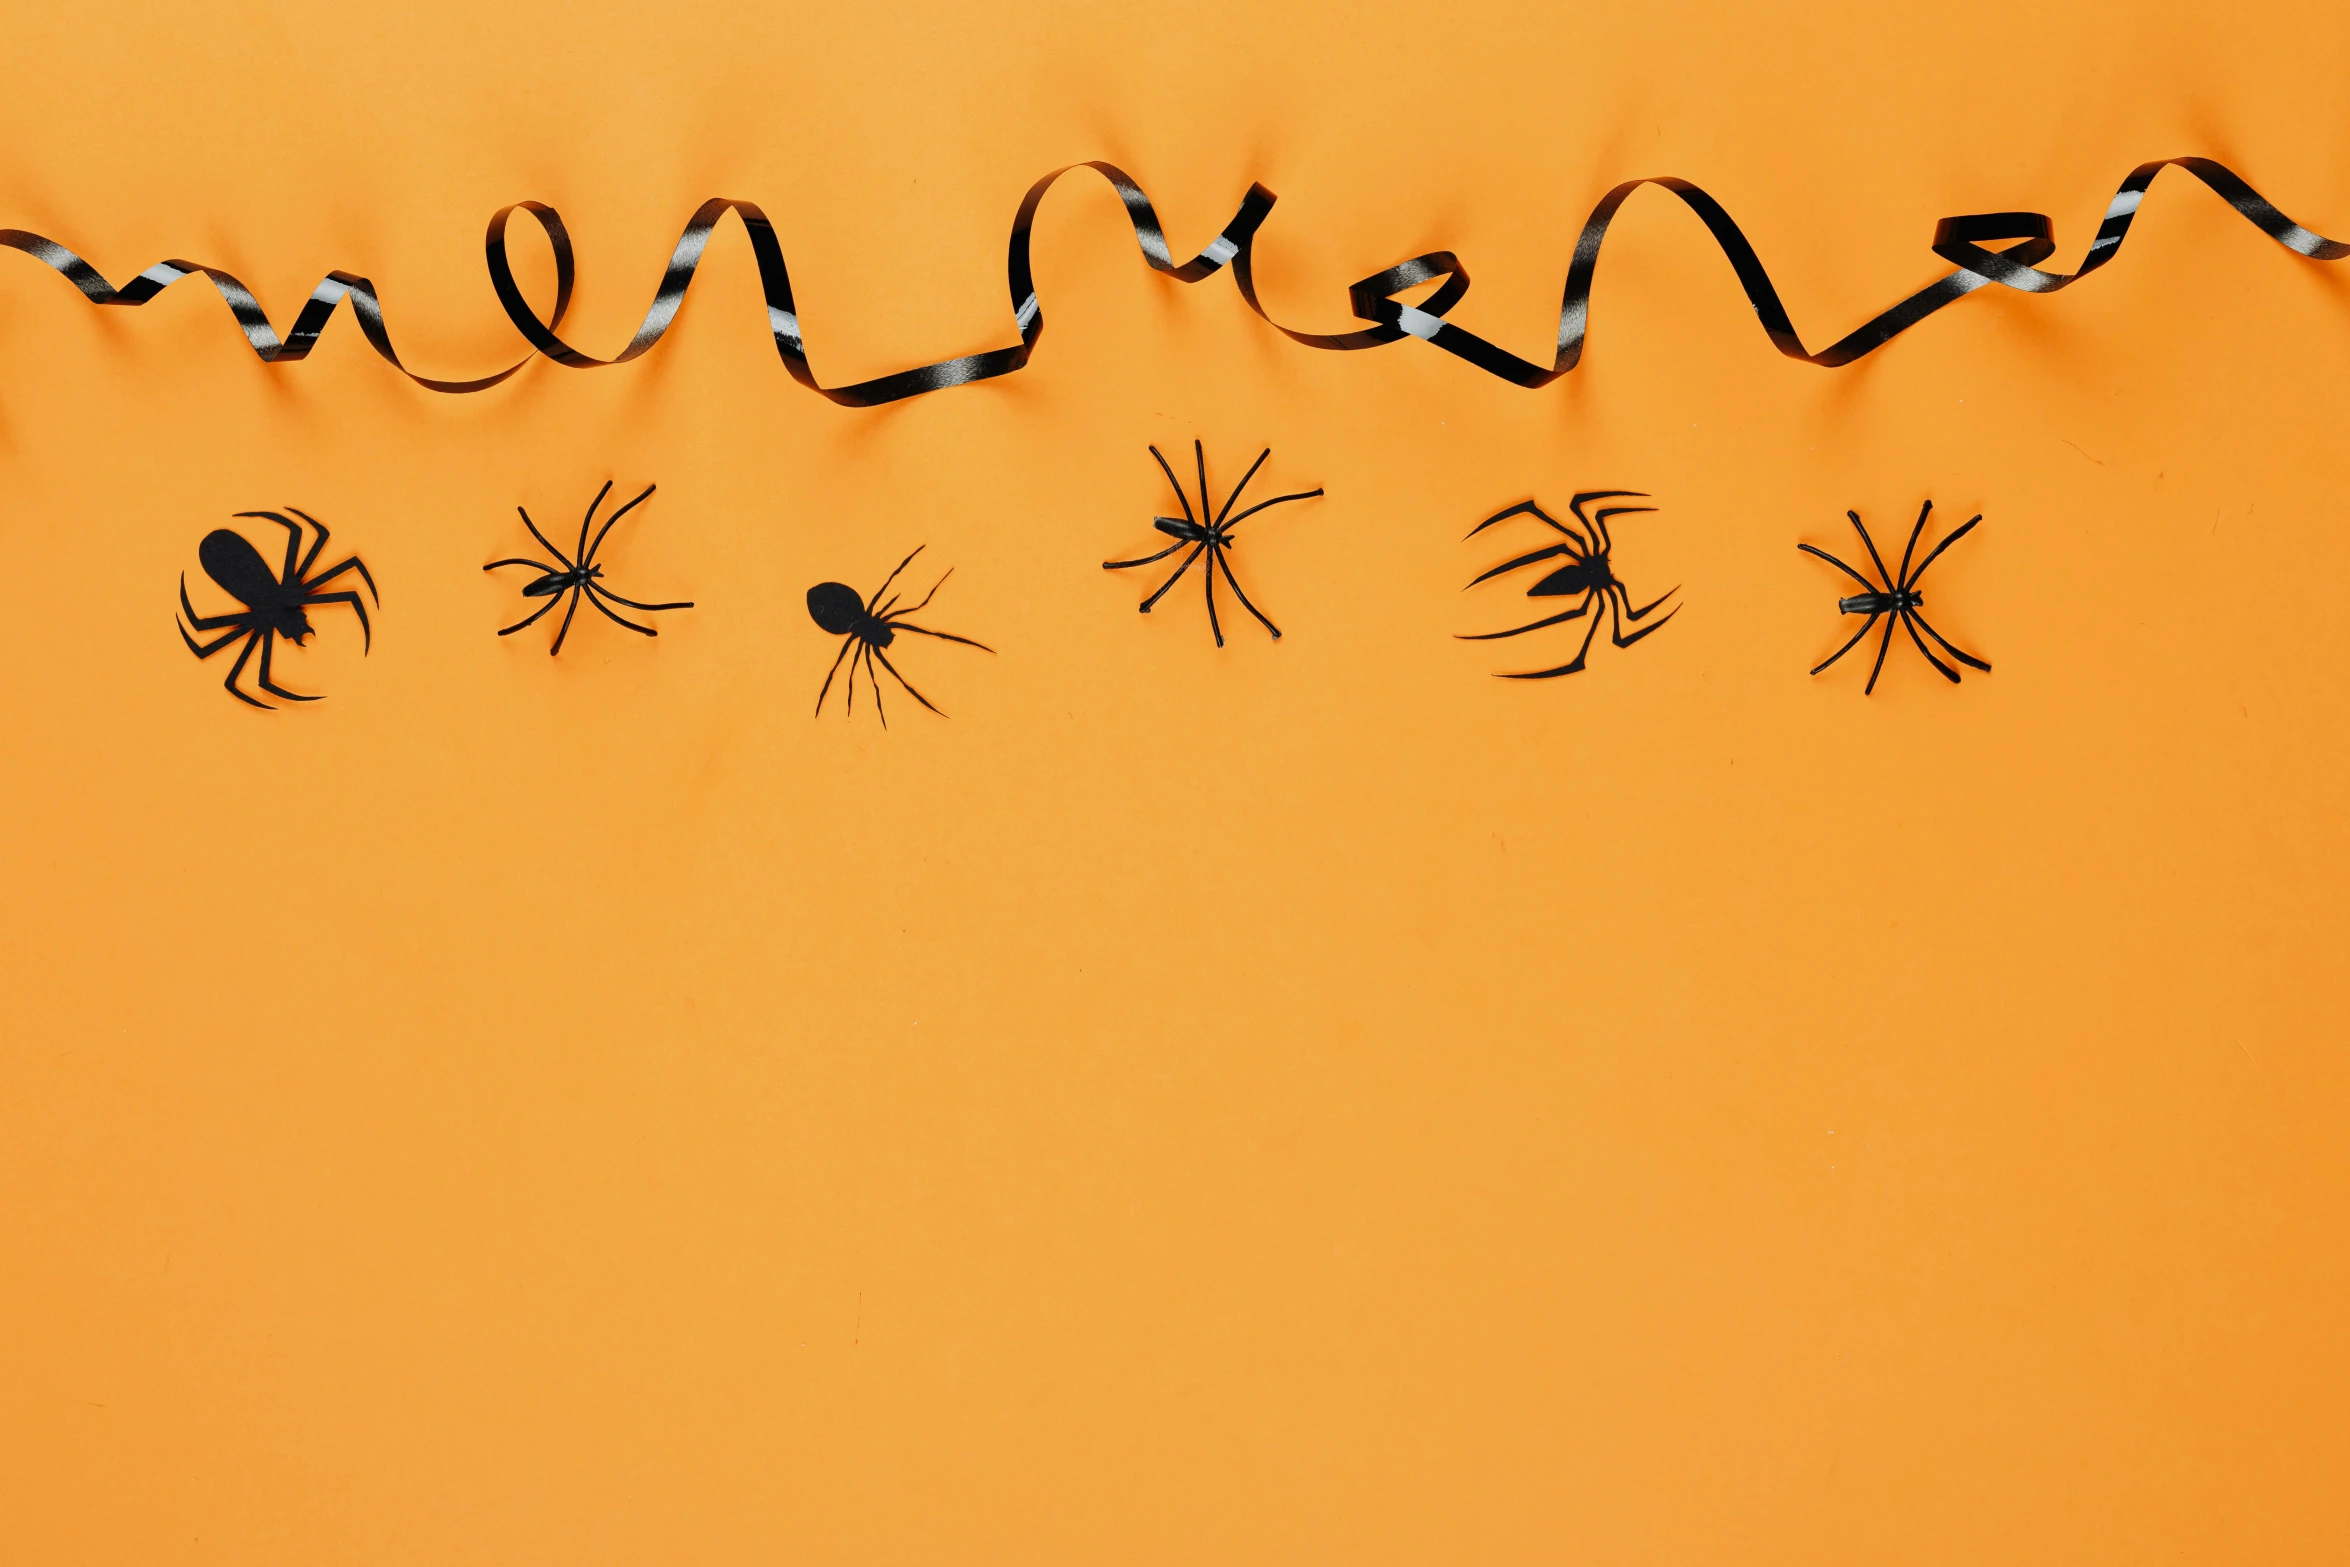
(578, 577)
(1897, 597)
(870, 625)
(1588, 575)
(273, 604)
(1212, 538)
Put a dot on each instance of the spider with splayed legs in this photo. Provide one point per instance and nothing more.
(273, 604)
(1589, 576)
(581, 577)
(870, 625)
(1214, 539)
(1897, 597)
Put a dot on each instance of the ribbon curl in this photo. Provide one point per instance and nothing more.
(1958, 240)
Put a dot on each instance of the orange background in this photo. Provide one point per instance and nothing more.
(1303, 1102)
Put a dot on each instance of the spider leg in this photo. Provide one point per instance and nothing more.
(317, 545)
(1948, 673)
(1882, 649)
(1545, 553)
(608, 615)
(1577, 613)
(901, 680)
(892, 577)
(1217, 558)
(857, 659)
(538, 565)
(533, 615)
(589, 518)
(1597, 522)
(600, 590)
(943, 636)
(1200, 453)
(1179, 495)
(880, 710)
(916, 609)
(1121, 565)
(1618, 604)
(293, 571)
(1171, 581)
(1961, 655)
(1910, 548)
(545, 542)
(1961, 532)
(1524, 508)
(1208, 575)
(1581, 653)
(565, 629)
(1642, 612)
(845, 644)
(1873, 587)
(1302, 495)
(1866, 627)
(1229, 500)
(590, 553)
(251, 637)
(358, 608)
(210, 648)
(1872, 544)
(202, 622)
(353, 564)
(268, 646)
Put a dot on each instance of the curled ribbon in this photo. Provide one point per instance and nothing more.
(1958, 240)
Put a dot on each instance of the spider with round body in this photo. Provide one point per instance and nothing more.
(274, 604)
(581, 578)
(1588, 576)
(869, 626)
(1896, 597)
(1213, 539)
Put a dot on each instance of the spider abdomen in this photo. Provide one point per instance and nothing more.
(1584, 576)
(230, 559)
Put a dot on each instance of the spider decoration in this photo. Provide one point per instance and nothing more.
(1588, 576)
(1897, 597)
(273, 604)
(866, 627)
(578, 577)
(1213, 539)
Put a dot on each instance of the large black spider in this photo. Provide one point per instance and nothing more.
(1589, 575)
(868, 626)
(1897, 597)
(1212, 538)
(273, 604)
(578, 577)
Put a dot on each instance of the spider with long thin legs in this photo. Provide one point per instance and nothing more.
(868, 626)
(580, 577)
(273, 604)
(1213, 539)
(1588, 576)
(1896, 597)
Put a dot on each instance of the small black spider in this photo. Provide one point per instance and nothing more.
(578, 577)
(1897, 597)
(273, 605)
(1214, 538)
(1588, 575)
(868, 626)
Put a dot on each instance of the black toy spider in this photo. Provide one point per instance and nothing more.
(1588, 575)
(273, 604)
(577, 577)
(868, 626)
(1897, 597)
(1212, 538)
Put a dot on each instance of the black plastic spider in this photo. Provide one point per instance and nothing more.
(1897, 597)
(1588, 575)
(868, 626)
(1213, 538)
(273, 604)
(578, 577)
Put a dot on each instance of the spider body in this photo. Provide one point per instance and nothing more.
(1896, 600)
(274, 602)
(1588, 576)
(580, 577)
(867, 626)
(1212, 539)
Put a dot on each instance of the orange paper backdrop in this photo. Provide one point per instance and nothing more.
(1304, 1102)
